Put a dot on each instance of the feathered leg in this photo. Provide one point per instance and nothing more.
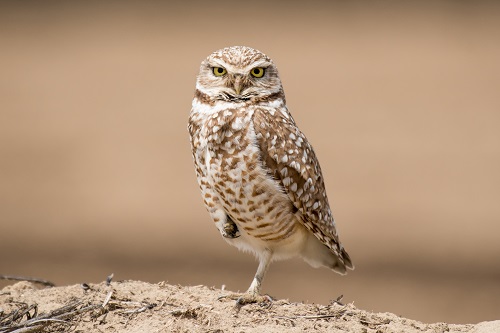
(253, 293)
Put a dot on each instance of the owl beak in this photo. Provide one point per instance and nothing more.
(238, 84)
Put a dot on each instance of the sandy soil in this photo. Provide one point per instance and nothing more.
(134, 306)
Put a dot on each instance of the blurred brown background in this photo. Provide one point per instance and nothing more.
(401, 102)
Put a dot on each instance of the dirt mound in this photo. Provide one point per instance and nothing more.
(134, 306)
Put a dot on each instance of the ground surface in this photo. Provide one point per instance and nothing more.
(134, 306)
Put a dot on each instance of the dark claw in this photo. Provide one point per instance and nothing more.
(230, 229)
(265, 301)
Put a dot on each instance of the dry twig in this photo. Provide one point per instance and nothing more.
(26, 278)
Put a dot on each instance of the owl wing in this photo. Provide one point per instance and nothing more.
(291, 161)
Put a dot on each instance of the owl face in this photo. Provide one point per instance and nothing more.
(238, 74)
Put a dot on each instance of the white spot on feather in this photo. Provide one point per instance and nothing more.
(287, 181)
(237, 124)
(285, 114)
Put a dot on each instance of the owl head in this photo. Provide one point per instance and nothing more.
(238, 74)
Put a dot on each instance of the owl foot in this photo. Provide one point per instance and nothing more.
(265, 301)
(230, 229)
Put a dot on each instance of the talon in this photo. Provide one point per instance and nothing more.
(230, 229)
(221, 297)
(243, 301)
(231, 296)
(267, 303)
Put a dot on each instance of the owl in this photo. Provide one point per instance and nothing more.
(258, 174)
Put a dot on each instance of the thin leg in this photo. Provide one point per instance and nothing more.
(264, 262)
(253, 293)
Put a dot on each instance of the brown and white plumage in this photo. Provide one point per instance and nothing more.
(258, 174)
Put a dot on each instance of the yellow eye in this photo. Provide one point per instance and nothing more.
(219, 71)
(257, 72)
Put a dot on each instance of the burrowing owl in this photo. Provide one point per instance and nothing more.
(259, 176)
